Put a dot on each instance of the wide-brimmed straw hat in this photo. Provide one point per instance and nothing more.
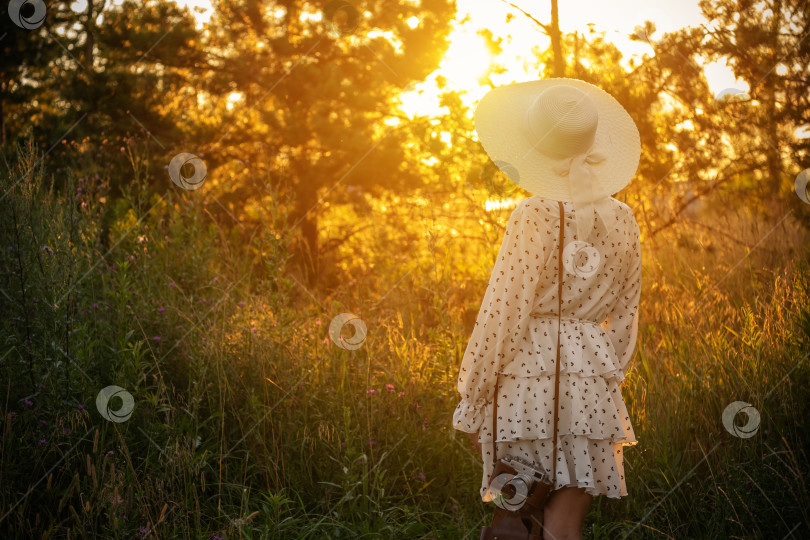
(561, 139)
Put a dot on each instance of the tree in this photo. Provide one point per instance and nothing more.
(553, 32)
(317, 87)
(766, 45)
(99, 76)
(27, 54)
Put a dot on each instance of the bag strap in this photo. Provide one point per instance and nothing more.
(559, 332)
(556, 370)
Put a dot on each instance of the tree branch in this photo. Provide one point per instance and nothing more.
(545, 27)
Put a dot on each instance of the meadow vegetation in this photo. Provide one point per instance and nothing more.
(250, 422)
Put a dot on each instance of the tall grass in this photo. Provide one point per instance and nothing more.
(250, 423)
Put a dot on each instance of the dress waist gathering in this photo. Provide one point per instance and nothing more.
(545, 315)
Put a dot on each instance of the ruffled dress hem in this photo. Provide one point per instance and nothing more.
(593, 464)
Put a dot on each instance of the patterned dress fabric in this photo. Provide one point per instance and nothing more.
(515, 341)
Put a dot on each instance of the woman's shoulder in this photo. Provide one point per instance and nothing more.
(624, 206)
(536, 202)
(537, 206)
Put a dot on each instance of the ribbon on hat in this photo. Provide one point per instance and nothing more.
(586, 197)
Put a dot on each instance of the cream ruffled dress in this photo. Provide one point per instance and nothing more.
(515, 339)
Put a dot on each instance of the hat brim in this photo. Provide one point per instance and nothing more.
(500, 119)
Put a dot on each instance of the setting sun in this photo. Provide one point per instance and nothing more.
(466, 59)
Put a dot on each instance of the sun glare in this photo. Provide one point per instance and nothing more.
(466, 59)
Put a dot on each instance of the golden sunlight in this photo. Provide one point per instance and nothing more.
(468, 58)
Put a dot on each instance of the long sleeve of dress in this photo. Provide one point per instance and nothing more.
(503, 317)
(622, 323)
